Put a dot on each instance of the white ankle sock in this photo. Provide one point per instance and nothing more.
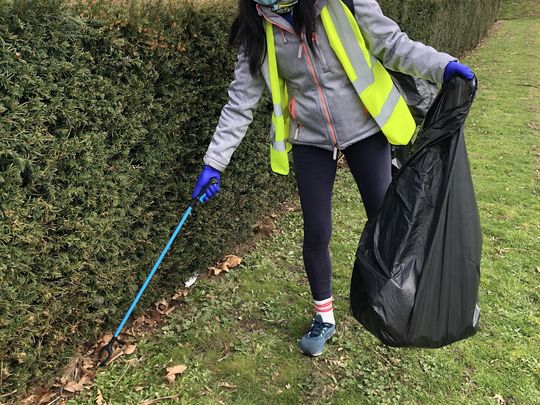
(325, 309)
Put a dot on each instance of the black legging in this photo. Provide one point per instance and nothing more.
(370, 163)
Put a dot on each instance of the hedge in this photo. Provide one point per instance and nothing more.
(105, 114)
(453, 26)
(104, 124)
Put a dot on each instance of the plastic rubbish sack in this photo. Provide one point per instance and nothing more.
(419, 95)
(417, 270)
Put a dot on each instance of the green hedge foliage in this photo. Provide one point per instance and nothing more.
(104, 123)
(452, 26)
(105, 114)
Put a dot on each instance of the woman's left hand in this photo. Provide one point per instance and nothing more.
(457, 69)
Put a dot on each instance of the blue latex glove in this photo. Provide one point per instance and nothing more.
(457, 69)
(206, 175)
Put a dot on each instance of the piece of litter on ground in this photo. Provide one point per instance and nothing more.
(191, 280)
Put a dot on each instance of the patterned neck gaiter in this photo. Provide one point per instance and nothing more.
(278, 6)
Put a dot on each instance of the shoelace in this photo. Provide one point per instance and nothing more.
(317, 328)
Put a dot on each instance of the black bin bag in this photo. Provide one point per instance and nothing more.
(417, 269)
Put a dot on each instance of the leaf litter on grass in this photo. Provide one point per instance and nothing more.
(80, 372)
(229, 262)
(173, 371)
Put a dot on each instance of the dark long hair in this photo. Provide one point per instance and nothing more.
(247, 29)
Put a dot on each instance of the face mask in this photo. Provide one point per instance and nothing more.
(266, 2)
(278, 6)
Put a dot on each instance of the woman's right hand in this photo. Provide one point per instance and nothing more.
(205, 176)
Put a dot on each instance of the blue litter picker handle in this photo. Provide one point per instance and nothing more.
(108, 348)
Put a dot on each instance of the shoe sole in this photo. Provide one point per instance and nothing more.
(321, 352)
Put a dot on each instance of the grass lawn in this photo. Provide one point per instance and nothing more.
(237, 334)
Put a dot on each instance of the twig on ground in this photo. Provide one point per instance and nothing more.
(8, 394)
(54, 400)
(122, 376)
(153, 401)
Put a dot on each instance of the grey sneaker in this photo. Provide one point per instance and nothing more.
(313, 341)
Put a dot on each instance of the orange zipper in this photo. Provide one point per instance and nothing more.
(292, 104)
(321, 95)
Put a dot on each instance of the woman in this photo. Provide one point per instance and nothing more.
(338, 98)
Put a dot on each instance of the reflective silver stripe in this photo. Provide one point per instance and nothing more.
(354, 52)
(388, 107)
(279, 146)
(373, 61)
(278, 111)
(358, 87)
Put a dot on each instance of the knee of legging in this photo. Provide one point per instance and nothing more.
(317, 237)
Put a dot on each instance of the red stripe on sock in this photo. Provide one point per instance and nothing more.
(325, 306)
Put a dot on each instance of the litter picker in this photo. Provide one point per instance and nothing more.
(108, 348)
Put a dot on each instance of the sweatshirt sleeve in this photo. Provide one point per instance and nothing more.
(394, 48)
(245, 91)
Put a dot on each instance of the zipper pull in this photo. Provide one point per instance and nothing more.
(296, 132)
(283, 36)
(335, 152)
(299, 56)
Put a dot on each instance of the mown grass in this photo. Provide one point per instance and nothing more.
(517, 9)
(241, 329)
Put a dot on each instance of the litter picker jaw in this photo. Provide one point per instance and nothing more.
(108, 348)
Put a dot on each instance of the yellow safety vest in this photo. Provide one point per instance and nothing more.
(368, 76)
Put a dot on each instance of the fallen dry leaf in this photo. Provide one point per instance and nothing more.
(231, 261)
(181, 293)
(88, 363)
(142, 324)
(161, 306)
(29, 400)
(120, 351)
(130, 349)
(99, 398)
(105, 339)
(228, 262)
(173, 371)
(155, 316)
(538, 269)
(263, 230)
(169, 310)
(78, 368)
(45, 399)
(76, 386)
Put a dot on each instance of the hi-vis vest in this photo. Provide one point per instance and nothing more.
(368, 76)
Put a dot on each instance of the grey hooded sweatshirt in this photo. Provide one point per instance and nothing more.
(325, 109)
